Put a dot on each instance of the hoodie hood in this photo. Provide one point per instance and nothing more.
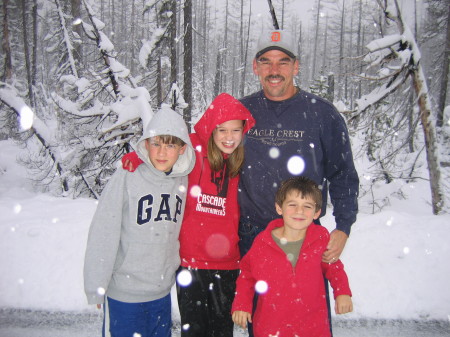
(168, 122)
(222, 109)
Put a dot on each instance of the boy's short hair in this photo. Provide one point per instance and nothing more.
(304, 186)
(169, 139)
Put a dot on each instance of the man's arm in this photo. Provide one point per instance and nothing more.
(343, 181)
(335, 246)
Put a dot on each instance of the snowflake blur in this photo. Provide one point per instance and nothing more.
(184, 278)
(26, 118)
(296, 165)
(261, 287)
(274, 153)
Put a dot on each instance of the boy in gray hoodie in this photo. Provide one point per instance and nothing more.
(133, 249)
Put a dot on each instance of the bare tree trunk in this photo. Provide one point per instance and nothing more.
(316, 42)
(205, 33)
(245, 56)
(217, 77)
(241, 48)
(76, 13)
(330, 89)
(341, 52)
(324, 54)
(102, 10)
(173, 43)
(410, 102)
(35, 39)
(159, 93)
(27, 52)
(6, 46)
(359, 45)
(445, 74)
(123, 33)
(188, 61)
(411, 124)
(133, 36)
(223, 59)
(430, 141)
(299, 76)
(113, 18)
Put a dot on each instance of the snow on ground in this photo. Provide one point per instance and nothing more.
(397, 259)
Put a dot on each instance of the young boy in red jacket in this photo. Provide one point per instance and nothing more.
(284, 265)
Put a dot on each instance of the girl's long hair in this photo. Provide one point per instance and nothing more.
(217, 162)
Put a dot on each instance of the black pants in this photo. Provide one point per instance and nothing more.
(205, 304)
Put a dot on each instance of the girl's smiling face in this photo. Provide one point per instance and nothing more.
(228, 135)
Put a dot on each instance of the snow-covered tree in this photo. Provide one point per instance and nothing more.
(396, 60)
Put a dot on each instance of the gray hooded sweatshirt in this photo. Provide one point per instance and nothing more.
(133, 249)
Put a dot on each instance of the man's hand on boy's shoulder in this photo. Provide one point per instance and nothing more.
(343, 304)
(241, 318)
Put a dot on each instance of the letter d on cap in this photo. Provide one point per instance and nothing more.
(276, 36)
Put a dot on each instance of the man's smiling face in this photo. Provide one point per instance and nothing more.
(276, 71)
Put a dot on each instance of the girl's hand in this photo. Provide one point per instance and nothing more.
(241, 318)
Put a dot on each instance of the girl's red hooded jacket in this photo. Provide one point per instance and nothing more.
(294, 303)
(209, 233)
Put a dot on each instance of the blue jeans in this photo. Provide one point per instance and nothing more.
(149, 319)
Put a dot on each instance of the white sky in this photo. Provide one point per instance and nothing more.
(303, 7)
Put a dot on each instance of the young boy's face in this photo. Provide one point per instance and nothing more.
(297, 212)
(163, 156)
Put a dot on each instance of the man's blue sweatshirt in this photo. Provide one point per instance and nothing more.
(304, 135)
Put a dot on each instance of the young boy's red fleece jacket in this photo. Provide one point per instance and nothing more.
(294, 303)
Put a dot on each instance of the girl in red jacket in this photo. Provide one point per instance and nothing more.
(209, 251)
(285, 267)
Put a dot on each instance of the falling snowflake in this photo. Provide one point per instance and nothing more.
(195, 191)
(296, 165)
(26, 118)
(261, 287)
(274, 153)
(184, 278)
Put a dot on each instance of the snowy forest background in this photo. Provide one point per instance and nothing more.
(79, 77)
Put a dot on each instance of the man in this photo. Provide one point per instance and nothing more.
(293, 126)
(296, 133)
